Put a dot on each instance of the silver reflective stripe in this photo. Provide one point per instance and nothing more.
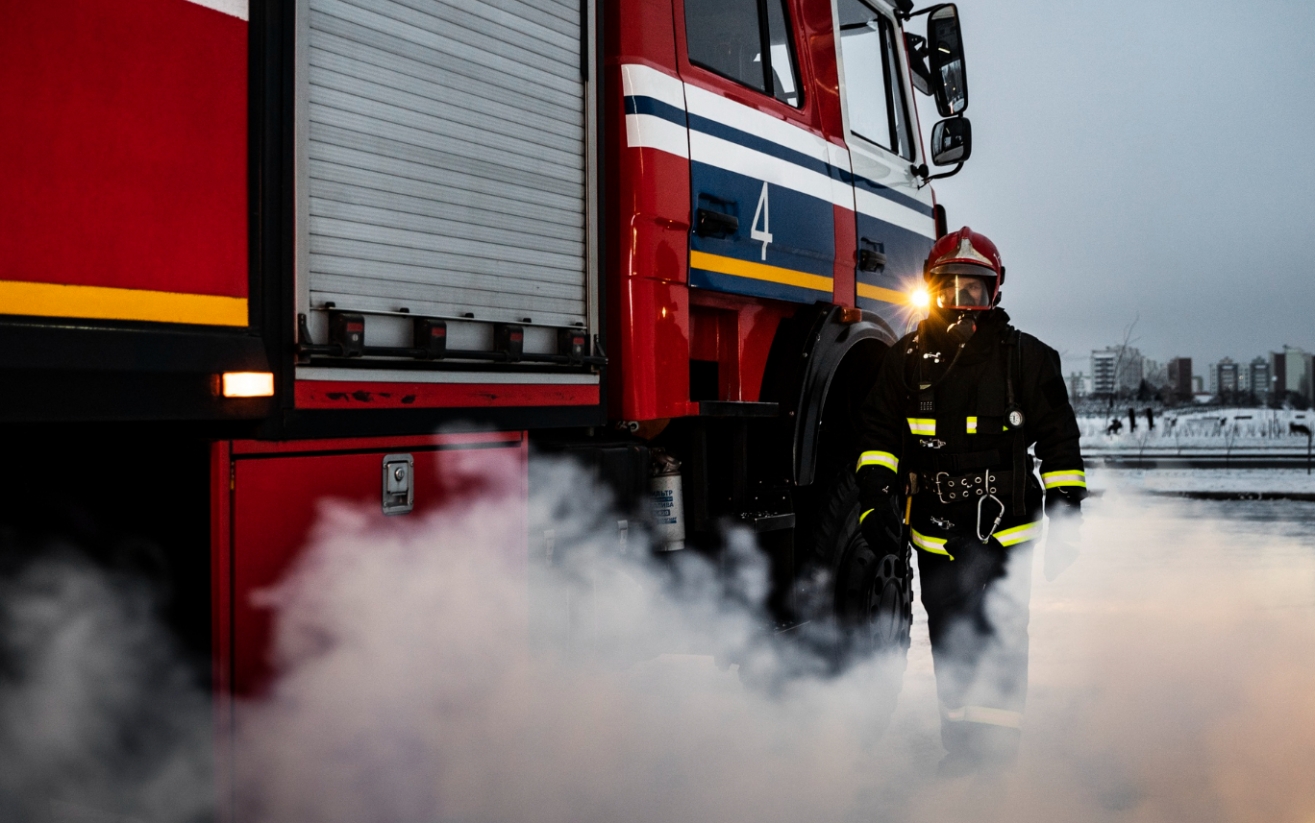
(446, 158)
(985, 715)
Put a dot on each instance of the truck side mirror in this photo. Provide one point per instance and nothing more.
(951, 141)
(945, 53)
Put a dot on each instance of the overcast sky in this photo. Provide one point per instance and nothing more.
(1151, 159)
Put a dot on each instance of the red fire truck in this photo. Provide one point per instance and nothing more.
(255, 254)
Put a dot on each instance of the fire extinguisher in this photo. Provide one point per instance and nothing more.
(668, 503)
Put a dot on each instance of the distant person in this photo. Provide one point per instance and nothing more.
(1115, 426)
(947, 428)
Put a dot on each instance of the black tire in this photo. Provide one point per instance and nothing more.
(857, 599)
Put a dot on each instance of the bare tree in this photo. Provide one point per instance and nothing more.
(1128, 340)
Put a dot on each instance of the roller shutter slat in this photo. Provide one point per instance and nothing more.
(474, 113)
(469, 218)
(514, 240)
(440, 129)
(558, 92)
(337, 53)
(374, 153)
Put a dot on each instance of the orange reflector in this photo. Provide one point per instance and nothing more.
(247, 384)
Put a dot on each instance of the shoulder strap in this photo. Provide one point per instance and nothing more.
(1013, 353)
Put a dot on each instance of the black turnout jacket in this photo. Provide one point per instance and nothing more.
(927, 422)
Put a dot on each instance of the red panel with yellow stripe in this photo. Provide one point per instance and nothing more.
(124, 141)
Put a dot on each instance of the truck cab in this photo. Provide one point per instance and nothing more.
(768, 195)
(751, 186)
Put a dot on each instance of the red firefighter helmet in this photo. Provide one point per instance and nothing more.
(964, 272)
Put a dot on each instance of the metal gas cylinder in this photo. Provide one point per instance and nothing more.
(668, 504)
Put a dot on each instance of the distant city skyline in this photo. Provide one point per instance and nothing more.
(1129, 176)
(1122, 369)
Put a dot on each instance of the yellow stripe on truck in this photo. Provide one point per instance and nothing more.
(875, 458)
(878, 293)
(107, 303)
(759, 271)
(1071, 477)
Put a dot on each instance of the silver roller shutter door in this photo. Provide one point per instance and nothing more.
(446, 158)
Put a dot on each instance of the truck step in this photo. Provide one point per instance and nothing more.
(737, 408)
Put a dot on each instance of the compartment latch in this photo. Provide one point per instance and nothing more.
(398, 489)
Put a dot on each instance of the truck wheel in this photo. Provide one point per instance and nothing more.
(861, 595)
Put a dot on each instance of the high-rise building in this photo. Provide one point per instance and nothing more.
(1224, 376)
(1077, 385)
(1257, 379)
(1180, 378)
(1154, 372)
(1115, 370)
(1291, 372)
(1102, 372)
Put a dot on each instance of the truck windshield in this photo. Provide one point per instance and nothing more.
(874, 79)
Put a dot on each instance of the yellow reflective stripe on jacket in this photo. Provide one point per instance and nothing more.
(863, 515)
(923, 426)
(1068, 477)
(935, 545)
(1019, 534)
(886, 459)
(984, 715)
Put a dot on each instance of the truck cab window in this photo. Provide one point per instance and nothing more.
(731, 37)
(874, 82)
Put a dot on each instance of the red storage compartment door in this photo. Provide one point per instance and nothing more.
(273, 500)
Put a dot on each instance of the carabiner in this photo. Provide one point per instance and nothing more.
(998, 517)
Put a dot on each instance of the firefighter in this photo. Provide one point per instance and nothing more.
(944, 464)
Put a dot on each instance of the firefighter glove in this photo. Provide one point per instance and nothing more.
(879, 519)
(1063, 536)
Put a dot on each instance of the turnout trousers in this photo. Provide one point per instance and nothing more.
(977, 615)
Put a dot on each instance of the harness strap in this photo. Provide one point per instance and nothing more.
(1012, 347)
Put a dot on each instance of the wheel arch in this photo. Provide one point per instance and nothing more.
(810, 351)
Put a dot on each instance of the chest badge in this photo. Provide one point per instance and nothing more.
(1015, 418)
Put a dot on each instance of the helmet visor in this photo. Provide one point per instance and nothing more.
(959, 291)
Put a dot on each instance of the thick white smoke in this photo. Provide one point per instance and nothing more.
(429, 671)
(100, 722)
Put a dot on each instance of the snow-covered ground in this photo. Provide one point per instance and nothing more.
(1200, 424)
(1217, 434)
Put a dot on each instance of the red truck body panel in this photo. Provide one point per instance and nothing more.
(125, 171)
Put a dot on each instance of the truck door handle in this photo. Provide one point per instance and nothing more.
(709, 223)
(871, 259)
